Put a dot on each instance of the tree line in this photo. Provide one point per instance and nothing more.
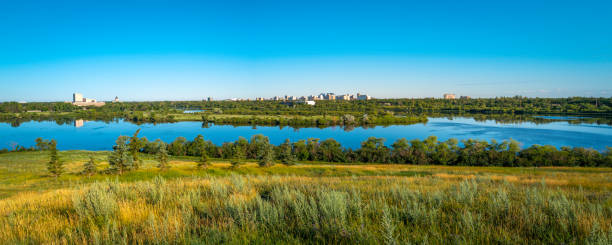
(514, 105)
(126, 154)
(324, 113)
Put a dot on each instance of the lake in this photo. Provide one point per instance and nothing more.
(95, 135)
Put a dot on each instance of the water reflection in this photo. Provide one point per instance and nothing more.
(79, 123)
(101, 135)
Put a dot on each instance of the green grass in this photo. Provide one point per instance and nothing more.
(308, 203)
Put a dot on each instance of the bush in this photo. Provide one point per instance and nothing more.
(98, 204)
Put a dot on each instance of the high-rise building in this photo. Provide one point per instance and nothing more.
(77, 97)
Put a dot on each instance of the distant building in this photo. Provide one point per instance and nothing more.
(79, 100)
(77, 97)
(116, 99)
(259, 99)
(307, 102)
(329, 96)
(343, 97)
(449, 96)
(363, 97)
(464, 97)
(209, 99)
(322, 96)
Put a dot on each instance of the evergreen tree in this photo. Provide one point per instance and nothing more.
(286, 154)
(162, 157)
(55, 165)
(120, 159)
(90, 166)
(203, 162)
(134, 147)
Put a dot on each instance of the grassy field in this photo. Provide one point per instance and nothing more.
(308, 203)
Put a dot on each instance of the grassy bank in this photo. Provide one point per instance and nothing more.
(307, 203)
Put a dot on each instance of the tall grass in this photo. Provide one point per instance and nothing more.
(346, 210)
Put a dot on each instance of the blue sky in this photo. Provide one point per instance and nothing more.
(183, 50)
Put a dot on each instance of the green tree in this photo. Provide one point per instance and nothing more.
(136, 144)
(120, 160)
(203, 161)
(90, 167)
(331, 151)
(301, 150)
(443, 153)
(374, 150)
(401, 151)
(508, 156)
(286, 153)
(194, 148)
(239, 155)
(177, 147)
(266, 156)
(257, 146)
(607, 160)
(417, 153)
(41, 144)
(55, 165)
(312, 145)
(162, 157)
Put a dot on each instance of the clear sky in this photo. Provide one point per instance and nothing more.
(184, 50)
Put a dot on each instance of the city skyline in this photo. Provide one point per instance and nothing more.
(144, 51)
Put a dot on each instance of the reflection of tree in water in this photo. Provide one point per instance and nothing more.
(523, 118)
(17, 120)
(15, 123)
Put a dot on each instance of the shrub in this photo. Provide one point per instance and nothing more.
(98, 204)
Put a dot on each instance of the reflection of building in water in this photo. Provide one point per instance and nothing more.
(79, 123)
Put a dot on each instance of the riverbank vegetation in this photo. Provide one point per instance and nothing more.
(306, 203)
(324, 113)
(374, 150)
(429, 151)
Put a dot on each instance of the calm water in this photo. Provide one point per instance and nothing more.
(101, 136)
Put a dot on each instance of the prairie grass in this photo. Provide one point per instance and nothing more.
(344, 204)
